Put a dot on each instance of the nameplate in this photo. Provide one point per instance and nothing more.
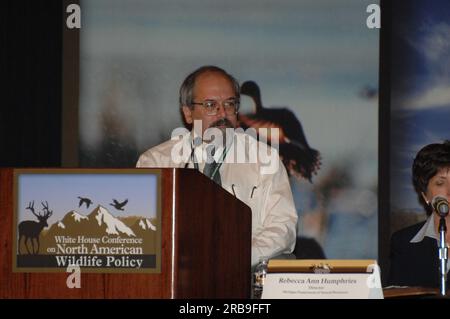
(322, 286)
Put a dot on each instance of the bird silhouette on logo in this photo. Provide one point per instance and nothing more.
(298, 157)
(84, 200)
(117, 205)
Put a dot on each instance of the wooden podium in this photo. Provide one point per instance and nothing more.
(205, 248)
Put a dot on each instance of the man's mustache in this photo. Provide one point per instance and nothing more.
(222, 122)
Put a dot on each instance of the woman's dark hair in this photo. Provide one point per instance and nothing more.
(429, 160)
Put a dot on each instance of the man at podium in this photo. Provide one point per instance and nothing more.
(209, 101)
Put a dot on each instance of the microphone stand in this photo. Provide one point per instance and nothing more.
(443, 254)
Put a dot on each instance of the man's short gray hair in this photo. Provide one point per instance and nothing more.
(187, 87)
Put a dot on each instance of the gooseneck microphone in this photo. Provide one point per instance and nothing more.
(440, 205)
(197, 141)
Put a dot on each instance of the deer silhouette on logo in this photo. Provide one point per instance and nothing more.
(31, 229)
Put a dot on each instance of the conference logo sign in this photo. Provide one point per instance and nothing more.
(100, 222)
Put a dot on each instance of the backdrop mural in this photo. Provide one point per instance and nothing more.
(315, 64)
(420, 96)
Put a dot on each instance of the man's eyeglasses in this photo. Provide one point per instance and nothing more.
(211, 106)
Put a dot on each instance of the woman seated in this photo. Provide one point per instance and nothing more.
(414, 250)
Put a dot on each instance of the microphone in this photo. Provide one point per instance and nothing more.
(196, 142)
(440, 205)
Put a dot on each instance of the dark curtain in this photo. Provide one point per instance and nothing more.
(384, 138)
(31, 68)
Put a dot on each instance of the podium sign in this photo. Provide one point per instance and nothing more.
(322, 280)
(104, 221)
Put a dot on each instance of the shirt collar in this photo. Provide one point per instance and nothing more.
(201, 148)
(427, 230)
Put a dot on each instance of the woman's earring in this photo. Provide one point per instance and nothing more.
(425, 199)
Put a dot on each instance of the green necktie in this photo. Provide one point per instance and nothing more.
(213, 168)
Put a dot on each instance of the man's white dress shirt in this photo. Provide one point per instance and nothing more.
(274, 218)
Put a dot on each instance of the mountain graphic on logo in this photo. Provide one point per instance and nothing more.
(99, 223)
(72, 223)
(111, 224)
(73, 218)
(145, 223)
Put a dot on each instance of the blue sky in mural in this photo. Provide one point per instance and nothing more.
(420, 105)
(61, 191)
